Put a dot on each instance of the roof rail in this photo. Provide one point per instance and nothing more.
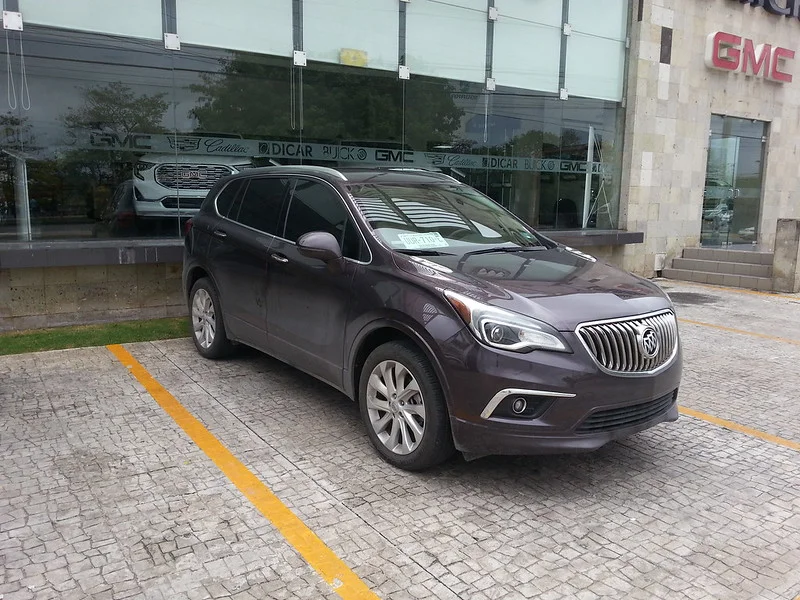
(431, 170)
(328, 170)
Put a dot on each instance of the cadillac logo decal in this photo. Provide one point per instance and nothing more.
(649, 343)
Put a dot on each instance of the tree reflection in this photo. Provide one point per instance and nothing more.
(16, 137)
(116, 109)
(259, 96)
(88, 176)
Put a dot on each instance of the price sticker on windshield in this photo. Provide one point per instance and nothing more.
(421, 241)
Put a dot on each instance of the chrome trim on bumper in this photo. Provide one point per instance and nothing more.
(503, 394)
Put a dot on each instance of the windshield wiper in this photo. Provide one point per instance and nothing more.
(420, 252)
(505, 249)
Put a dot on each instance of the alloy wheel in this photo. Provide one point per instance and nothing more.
(204, 320)
(395, 407)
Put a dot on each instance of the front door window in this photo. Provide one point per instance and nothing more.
(734, 175)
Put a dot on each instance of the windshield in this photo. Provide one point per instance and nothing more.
(438, 218)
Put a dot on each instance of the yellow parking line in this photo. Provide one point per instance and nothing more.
(332, 569)
(742, 331)
(762, 435)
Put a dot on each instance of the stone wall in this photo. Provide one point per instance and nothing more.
(32, 298)
(669, 108)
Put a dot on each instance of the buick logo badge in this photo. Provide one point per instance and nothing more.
(648, 342)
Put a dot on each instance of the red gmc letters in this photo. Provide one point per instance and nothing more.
(729, 52)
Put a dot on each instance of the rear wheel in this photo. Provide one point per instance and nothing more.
(403, 408)
(208, 329)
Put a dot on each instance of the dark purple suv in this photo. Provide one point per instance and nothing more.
(453, 324)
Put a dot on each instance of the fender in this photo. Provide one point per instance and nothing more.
(399, 322)
(194, 265)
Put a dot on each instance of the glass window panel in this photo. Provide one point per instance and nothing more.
(234, 93)
(527, 44)
(98, 105)
(436, 111)
(595, 67)
(139, 18)
(737, 127)
(734, 180)
(536, 159)
(447, 39)
(253, 25)
(365, 33)
(353, 111)
(596, 49)
(607, 19)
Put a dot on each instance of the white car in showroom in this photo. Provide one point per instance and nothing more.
(169, 185)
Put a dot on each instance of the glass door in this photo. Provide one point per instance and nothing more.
(734, 174)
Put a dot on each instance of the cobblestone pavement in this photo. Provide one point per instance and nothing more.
(103, 496)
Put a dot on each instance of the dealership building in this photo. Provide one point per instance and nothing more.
(632, 129)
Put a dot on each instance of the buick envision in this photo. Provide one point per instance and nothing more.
(452, 323)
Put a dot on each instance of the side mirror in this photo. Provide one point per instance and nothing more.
(320, 245)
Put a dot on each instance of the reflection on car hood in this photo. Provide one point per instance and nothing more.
(559, 286)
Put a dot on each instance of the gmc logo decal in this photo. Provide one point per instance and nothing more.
(394, 156)
(729, 52)
(135, 141)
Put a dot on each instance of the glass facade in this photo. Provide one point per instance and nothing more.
(106, 133)
(734, 181)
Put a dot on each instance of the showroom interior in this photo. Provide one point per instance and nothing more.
(600, 125)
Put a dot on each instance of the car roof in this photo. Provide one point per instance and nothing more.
(385, 175)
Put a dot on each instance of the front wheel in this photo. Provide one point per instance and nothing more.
(403, 408)
(208, 329)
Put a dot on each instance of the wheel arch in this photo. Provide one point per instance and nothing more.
(378, 333)
(193, 274)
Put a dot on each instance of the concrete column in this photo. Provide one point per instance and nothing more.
(785, 272)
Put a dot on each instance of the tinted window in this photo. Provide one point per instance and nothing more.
(227, 196)
(316, 207)
(262, 203)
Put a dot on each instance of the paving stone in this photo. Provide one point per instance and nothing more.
(103, 496)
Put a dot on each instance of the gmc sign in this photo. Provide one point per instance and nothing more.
(729, 52)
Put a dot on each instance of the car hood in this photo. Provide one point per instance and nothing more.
(560, 286)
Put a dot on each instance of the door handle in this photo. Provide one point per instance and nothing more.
(280, 258)
(219, 233)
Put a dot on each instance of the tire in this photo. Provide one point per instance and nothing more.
(390, 421)
(208, 328)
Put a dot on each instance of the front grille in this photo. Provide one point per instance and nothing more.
(190, 177)
(626, 416)
(619, 346)
(184, 202)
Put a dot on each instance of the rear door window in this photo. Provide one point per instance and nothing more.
(262, 204)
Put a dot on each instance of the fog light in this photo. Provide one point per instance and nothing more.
(519, 406)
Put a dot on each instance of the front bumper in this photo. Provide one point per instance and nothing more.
(584, 408)
(175, 207)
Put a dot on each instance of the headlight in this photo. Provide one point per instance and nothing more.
(142, 166)
(505, 329)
